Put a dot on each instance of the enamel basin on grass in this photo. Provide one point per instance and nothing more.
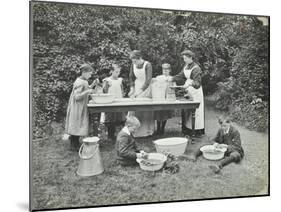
(174, 145)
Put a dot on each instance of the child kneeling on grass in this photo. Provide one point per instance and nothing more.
(229, 136)
(126, 148)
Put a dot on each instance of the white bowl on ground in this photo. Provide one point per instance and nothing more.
(154, 162)
(174, 145)
(211, 153)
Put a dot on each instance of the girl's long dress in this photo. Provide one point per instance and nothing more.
(146, 118)
(77, 118)
(197, 95)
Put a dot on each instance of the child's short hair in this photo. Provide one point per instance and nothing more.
(135, 54)
(132, 121)
(111, 68)
(166, 66)
(224, 119)
(86, 68)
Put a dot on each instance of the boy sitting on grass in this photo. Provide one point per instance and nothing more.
(227, 136)
(126, 148)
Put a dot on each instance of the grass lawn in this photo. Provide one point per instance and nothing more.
(56, 184)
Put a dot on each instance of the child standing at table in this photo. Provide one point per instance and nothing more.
(77, 118)
(113, 85)
(162, 116)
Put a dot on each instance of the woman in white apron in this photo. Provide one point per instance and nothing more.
(140, 86)
(191, 75)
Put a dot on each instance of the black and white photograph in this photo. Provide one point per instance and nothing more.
(136, 105)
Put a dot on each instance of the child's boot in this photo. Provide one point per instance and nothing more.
(215, 168)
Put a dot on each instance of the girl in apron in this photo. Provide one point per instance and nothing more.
(191, 77)
(113, 85)
(140, 80)
(162, 116)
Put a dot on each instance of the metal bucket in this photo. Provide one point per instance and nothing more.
(90, 159)
(158, 90)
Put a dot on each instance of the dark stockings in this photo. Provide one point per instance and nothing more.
(233, 157)
(74, 142)
(111, 130)
(161, 127)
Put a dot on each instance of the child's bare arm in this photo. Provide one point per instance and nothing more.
(95, 82)
(105, 86)
(79, 94)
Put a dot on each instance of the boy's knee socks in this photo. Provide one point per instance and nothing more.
(227, 161)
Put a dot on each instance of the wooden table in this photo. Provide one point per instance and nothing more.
(134, 105)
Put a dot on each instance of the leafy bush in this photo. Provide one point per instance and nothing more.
(249, 79)
(67, 35)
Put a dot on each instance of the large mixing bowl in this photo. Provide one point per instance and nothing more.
(102, 98)
(174, 145)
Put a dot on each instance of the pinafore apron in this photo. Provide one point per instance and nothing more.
(197, 95)
(116, 91)
(146, 118)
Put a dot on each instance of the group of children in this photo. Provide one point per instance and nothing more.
(77, 120)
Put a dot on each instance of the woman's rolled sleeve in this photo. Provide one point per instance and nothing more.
(179, 78)
(196, 77)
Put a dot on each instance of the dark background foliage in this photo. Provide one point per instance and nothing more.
(232, 51)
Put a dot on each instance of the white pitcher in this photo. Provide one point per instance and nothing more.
(158, 90)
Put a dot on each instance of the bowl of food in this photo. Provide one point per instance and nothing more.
(102, 98)
(213, 152)
(153, 162)
(174, 145)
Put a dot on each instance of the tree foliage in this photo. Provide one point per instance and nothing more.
(67, 35)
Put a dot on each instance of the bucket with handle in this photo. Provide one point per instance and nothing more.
(90, 160)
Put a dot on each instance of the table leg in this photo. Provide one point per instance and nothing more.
(193, 122)
(183, 120)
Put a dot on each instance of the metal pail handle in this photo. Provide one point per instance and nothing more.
(89, 157)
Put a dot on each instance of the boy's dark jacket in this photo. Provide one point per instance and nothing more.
(126, 148)
(232, 139)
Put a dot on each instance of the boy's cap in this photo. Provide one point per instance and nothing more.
(166, 66)
(188, 53)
